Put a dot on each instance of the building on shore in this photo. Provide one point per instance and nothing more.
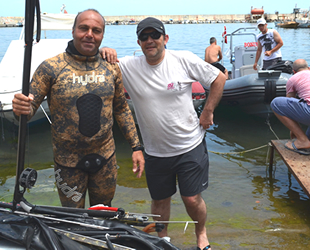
(11, 21)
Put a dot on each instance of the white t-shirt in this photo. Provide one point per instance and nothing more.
(268, 43)
(162, 98)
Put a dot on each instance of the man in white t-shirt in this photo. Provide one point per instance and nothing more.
(270, 42)
(159, 84)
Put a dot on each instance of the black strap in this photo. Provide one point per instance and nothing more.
(137, 148)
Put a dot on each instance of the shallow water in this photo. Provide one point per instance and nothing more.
(247, 208)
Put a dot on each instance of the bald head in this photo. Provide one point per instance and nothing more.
(88, 32)
(299, 65)
(93, 10)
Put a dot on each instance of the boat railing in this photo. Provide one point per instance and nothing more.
(245, 31)
(238, 32)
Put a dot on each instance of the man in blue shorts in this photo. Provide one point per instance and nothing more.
(160, 86)
(291, 110)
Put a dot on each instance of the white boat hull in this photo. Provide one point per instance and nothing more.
(11, 69)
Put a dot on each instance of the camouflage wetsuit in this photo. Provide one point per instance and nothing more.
(83, 94)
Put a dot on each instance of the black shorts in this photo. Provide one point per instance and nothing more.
(219, 66)
(190, 169)
(272, 62)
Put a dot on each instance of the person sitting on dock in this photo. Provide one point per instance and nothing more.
(213, 54)
(84, 94)
(270, 42)
(291, 110)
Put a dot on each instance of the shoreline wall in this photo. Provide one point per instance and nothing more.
(225, 18)
(14, 21)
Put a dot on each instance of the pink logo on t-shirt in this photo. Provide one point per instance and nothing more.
(170, 86)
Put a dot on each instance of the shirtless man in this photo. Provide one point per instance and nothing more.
(213, 54)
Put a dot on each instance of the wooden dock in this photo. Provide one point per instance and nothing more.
(298, 165)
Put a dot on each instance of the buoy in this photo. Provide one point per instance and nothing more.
(257, 11)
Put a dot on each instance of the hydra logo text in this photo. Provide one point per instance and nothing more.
(67, 191)
(84, 80)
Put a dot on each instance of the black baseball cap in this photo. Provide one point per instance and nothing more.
(150, 22)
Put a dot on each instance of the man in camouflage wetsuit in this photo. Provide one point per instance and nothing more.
(83, 91)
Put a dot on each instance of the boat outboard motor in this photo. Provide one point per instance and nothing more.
(284, 66)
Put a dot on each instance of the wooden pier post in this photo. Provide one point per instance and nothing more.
(298, 165)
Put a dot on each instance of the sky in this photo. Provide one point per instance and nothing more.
(156, 7)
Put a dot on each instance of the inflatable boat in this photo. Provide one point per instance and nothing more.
(247, 89)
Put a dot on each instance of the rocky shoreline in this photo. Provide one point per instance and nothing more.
(11, 21)
(173, 19)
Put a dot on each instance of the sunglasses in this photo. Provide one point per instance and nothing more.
(154, 35)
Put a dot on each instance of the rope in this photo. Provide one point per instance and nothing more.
(2, 129)
(241, 152)
(253, 149)
(268, 123)
(1, 109)
(45, 114)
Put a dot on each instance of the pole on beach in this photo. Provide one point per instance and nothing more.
(30, 7)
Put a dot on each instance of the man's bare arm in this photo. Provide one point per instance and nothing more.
(206, 55)
(220, 54)
(214, 97)
(258, 54)
(279, 42)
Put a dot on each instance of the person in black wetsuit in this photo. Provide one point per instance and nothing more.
(84, 93)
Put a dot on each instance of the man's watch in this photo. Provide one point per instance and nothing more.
(137, 148)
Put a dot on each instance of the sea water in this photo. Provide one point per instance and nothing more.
(247, 208)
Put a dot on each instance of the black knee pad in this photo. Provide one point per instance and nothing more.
(89, 107)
